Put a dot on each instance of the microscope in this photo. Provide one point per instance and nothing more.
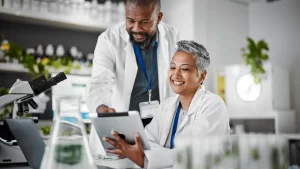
(21, 94)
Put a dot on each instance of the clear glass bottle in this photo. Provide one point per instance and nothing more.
(61, 6)
(101, 13)
(86, 10)
(7, 4)
(68, 145)
(52, 6)
(108, 12)
(121, 12)
(36, 5)
(17, 4)
(26, 5)
(68, 7)
(44, 6)
(94, 10)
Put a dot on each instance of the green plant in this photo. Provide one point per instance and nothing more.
(15, 51)
(46, 130)
(255, 154)
(254, 55)
(38, 67)
(7, 109)
(88, 130)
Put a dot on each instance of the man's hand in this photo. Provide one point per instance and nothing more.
(105, 109)
(134, 152)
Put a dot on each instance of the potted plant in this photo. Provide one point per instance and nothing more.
(16, 52)
(255, 55)
(5, 111)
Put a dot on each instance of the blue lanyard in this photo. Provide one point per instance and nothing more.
(175, 125)
(142, 65)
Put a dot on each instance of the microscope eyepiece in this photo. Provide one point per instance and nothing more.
(58, 78)
(41, 84)
(32, 103)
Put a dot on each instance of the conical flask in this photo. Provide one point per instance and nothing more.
(68, 145)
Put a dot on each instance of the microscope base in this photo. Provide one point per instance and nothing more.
(10, 154)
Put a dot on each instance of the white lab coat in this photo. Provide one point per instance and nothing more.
(115, 68)
(207, 115)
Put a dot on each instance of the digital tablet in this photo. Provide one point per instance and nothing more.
(127, 124)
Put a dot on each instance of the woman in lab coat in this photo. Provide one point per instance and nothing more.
(194, 110)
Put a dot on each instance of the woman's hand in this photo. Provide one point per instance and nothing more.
(105, 109)
(134, 152)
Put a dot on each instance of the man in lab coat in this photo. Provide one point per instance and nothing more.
(131, 62)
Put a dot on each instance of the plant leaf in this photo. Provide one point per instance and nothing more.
(264, 57)
(262, 45)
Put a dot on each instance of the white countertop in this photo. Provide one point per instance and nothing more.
(120, 163)
(101, 164)
(294, 136)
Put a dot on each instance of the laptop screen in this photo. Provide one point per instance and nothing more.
(29, 140)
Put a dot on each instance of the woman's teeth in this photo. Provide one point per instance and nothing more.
(177, 83)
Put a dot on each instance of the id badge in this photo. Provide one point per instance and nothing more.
(148, 109)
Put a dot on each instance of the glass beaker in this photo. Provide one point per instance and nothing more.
(68, 145)
(246, 151)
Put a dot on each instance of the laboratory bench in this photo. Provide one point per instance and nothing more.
(101, 164)
(26, 167)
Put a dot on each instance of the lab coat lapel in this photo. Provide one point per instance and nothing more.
(168, 116)
(193, 108)
(162, 63)
(130, 69)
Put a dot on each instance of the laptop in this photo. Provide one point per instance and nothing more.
(28, 139)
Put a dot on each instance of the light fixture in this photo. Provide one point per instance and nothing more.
(246, 89)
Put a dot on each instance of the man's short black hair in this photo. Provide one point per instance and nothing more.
(146, 3)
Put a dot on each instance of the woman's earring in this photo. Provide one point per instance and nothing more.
(199, 84)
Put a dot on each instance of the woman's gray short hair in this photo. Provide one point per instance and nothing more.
(198, 51)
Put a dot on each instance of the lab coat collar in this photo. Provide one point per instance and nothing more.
(195, 101)
(170, 112)
(130, 68)
(162, 58)
(162, 62)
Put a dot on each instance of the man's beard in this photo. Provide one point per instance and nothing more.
(145, 42)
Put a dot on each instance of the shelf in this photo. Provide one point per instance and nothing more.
(12, 67)
(84, 71)
(53, 20)
(15, 67)
(243, 116)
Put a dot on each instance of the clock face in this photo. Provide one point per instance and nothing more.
(246, 89)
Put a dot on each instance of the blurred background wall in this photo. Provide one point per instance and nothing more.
(223, 25)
